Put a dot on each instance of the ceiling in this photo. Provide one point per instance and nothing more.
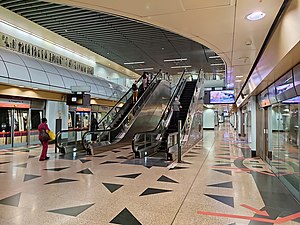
(119, 39)
(218, 24)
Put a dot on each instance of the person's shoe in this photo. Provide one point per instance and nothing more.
(41, 159)
(47, 158)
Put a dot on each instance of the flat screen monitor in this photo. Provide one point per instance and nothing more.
(78, 99)
(292, 100)
(222, 97)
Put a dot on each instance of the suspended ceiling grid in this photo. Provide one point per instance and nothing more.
(119, 39)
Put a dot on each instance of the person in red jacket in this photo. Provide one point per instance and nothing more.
(43, 131)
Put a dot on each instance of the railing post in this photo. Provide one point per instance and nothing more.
(178, 141)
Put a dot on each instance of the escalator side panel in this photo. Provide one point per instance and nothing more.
(148, 117)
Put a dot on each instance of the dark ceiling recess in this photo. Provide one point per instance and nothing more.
(119, 39)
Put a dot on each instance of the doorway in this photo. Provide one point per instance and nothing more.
(14, 127)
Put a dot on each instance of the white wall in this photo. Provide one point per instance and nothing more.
(56, 110)
(209, 119)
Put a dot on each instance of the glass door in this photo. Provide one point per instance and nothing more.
(20, 134)
(6, 128)
(35, 119)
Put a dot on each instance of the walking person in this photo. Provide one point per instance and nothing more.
(135, 92)
(44, 138)
(176, 110)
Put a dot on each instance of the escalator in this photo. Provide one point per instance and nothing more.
(70, 141)
(143, 115)
(162, 142)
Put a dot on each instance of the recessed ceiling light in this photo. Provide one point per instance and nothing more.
(238, 81)
(21, 86)
(256, 16)
(239, 76)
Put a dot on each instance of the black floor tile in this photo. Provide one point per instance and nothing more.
(225, 164)
(152, 191)
(131, 176)
(28, 177)
(24, 165)
(57, 169)
(72, 211)
(112, 187)
(178, 168)
(125, 217)
(224, 199)
(84, 160)
(222, 185)
(224, 171)
(99, 156)
(61, 180)
(85, 171)
(108, 162)
(166, 179)
(121, 157)
(12, 200)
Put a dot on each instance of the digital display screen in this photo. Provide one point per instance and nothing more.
(284, 87)
(222, 97)
(292, 100)
(78, 99)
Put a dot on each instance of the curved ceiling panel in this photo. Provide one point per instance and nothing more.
(56, 80)
(30, 62)
(38, 76)
(11, 57)
(17, 72)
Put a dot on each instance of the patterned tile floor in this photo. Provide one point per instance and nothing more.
(215, 184)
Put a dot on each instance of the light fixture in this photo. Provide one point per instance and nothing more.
(151, 68)
(238, 81)
(21, 86)
(179, 67)
(258, 15)
(214, 57)
(217, 64)
(35, 88)
(131, 63)
(239, 76)
(175, 60)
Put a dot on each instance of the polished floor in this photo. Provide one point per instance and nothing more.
(216, 183)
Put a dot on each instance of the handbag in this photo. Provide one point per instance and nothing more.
(52, 135)
(44, 135)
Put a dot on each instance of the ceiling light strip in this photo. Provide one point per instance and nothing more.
(151, 68)
(179, 67)
(175, 60)
(132, 63)
(214, 57)
(217, 64)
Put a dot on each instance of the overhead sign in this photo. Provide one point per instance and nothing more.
(80, 88)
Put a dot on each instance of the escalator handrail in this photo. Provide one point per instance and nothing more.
(134, 107)
(118, 102)
(167, 109)
(59, 133)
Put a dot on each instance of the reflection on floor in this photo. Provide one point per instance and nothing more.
(216, 183)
